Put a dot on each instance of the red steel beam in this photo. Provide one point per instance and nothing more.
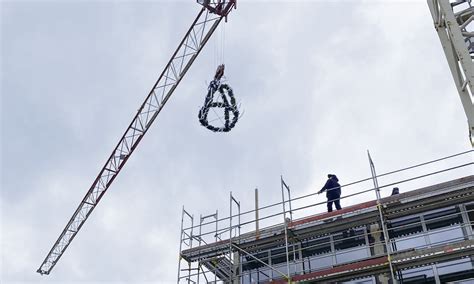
(189, 48)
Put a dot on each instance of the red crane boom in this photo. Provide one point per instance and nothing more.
(189, 48)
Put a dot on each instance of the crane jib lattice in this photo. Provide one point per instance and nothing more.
(189, 48)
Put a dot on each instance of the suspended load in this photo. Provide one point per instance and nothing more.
(220, 98)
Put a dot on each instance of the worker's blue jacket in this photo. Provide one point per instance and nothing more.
(332, 188)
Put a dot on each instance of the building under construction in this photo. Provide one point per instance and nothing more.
(424, 235)
(421, 235)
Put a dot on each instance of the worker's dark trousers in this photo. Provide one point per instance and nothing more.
(336, 203)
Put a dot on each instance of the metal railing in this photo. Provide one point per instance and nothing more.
(280, 214)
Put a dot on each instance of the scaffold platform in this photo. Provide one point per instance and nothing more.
(342, 245)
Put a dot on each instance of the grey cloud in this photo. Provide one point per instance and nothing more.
(320, 82)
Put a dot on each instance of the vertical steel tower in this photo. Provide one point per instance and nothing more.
(453, 20)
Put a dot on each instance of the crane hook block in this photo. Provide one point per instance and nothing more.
(219, 72)
(221, 97)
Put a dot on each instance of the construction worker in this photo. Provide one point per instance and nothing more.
(395, 191)
(333, 192)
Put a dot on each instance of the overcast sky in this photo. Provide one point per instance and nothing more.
(320, 82)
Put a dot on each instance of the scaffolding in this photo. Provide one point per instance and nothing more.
(382, 240)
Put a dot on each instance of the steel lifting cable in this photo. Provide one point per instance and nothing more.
(223, 44)
(219, 96)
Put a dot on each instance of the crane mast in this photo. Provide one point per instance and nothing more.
(189, 48)
(456, 33)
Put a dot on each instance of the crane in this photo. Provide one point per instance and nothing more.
(456, 33)
(206, 22)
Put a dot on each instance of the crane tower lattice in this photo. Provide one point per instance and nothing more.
(454, 22)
